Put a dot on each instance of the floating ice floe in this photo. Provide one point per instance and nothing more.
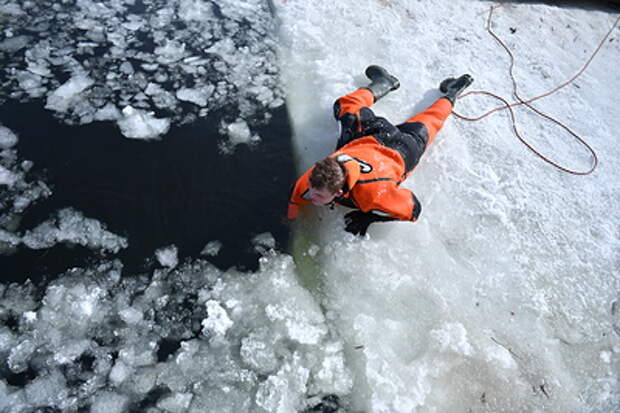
(7, 177)
(69, 93)
(70, 226)
(168, 256)
(238, 133)
(8, 139)
(140, 124)
(198, 96)
(212, 248)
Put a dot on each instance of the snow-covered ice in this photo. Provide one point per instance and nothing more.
(506, 283)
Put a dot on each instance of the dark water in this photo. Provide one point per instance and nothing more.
(180, 190)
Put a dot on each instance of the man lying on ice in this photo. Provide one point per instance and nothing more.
(373, 157)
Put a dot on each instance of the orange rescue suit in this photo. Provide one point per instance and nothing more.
(377, 156)
(374, 173)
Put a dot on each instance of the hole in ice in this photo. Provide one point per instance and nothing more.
(21, 379)
(179, 191)
(150, 400)
(11, 322)
(328, 404)
(167, 347)
(86, 362)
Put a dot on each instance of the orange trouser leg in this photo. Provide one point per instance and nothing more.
(353, 102)
(433, 117)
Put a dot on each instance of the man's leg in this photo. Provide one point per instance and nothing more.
(347, 113)
(427, 123)
(347, 108)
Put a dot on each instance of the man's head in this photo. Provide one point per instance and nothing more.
(326, 181)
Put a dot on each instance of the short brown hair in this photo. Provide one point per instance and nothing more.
(328, 174)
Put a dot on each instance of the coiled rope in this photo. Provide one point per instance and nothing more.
(527, 103)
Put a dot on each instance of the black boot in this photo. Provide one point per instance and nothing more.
(381, 82)
(452, 87)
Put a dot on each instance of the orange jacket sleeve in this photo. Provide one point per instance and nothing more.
(299, 195)
(387, 199)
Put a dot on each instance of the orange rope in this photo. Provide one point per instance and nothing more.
(527, 103)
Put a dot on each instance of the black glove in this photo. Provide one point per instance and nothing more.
(376, 126)
(357, 222)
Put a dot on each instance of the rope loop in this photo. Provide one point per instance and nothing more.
(528, 102)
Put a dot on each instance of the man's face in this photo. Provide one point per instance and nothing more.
(322, 196)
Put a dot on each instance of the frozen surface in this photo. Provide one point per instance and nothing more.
(177, 59)
(503, 297)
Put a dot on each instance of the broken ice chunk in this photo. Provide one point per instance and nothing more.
(171, 52)
(109, 402)
(7, 138)
(72, 227)
(131, 315)
(212, 248)
(7, 177)
(218, 321)
(108, 112)
(20, 355)
(257, 351)
(197, 96)
(7, 339)
(140, 124)
(120, 372)
(264, 242)
(176, 403)
(168, 256)
(238, 132)
(62, 98)
(13, 44)
(50, 390)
